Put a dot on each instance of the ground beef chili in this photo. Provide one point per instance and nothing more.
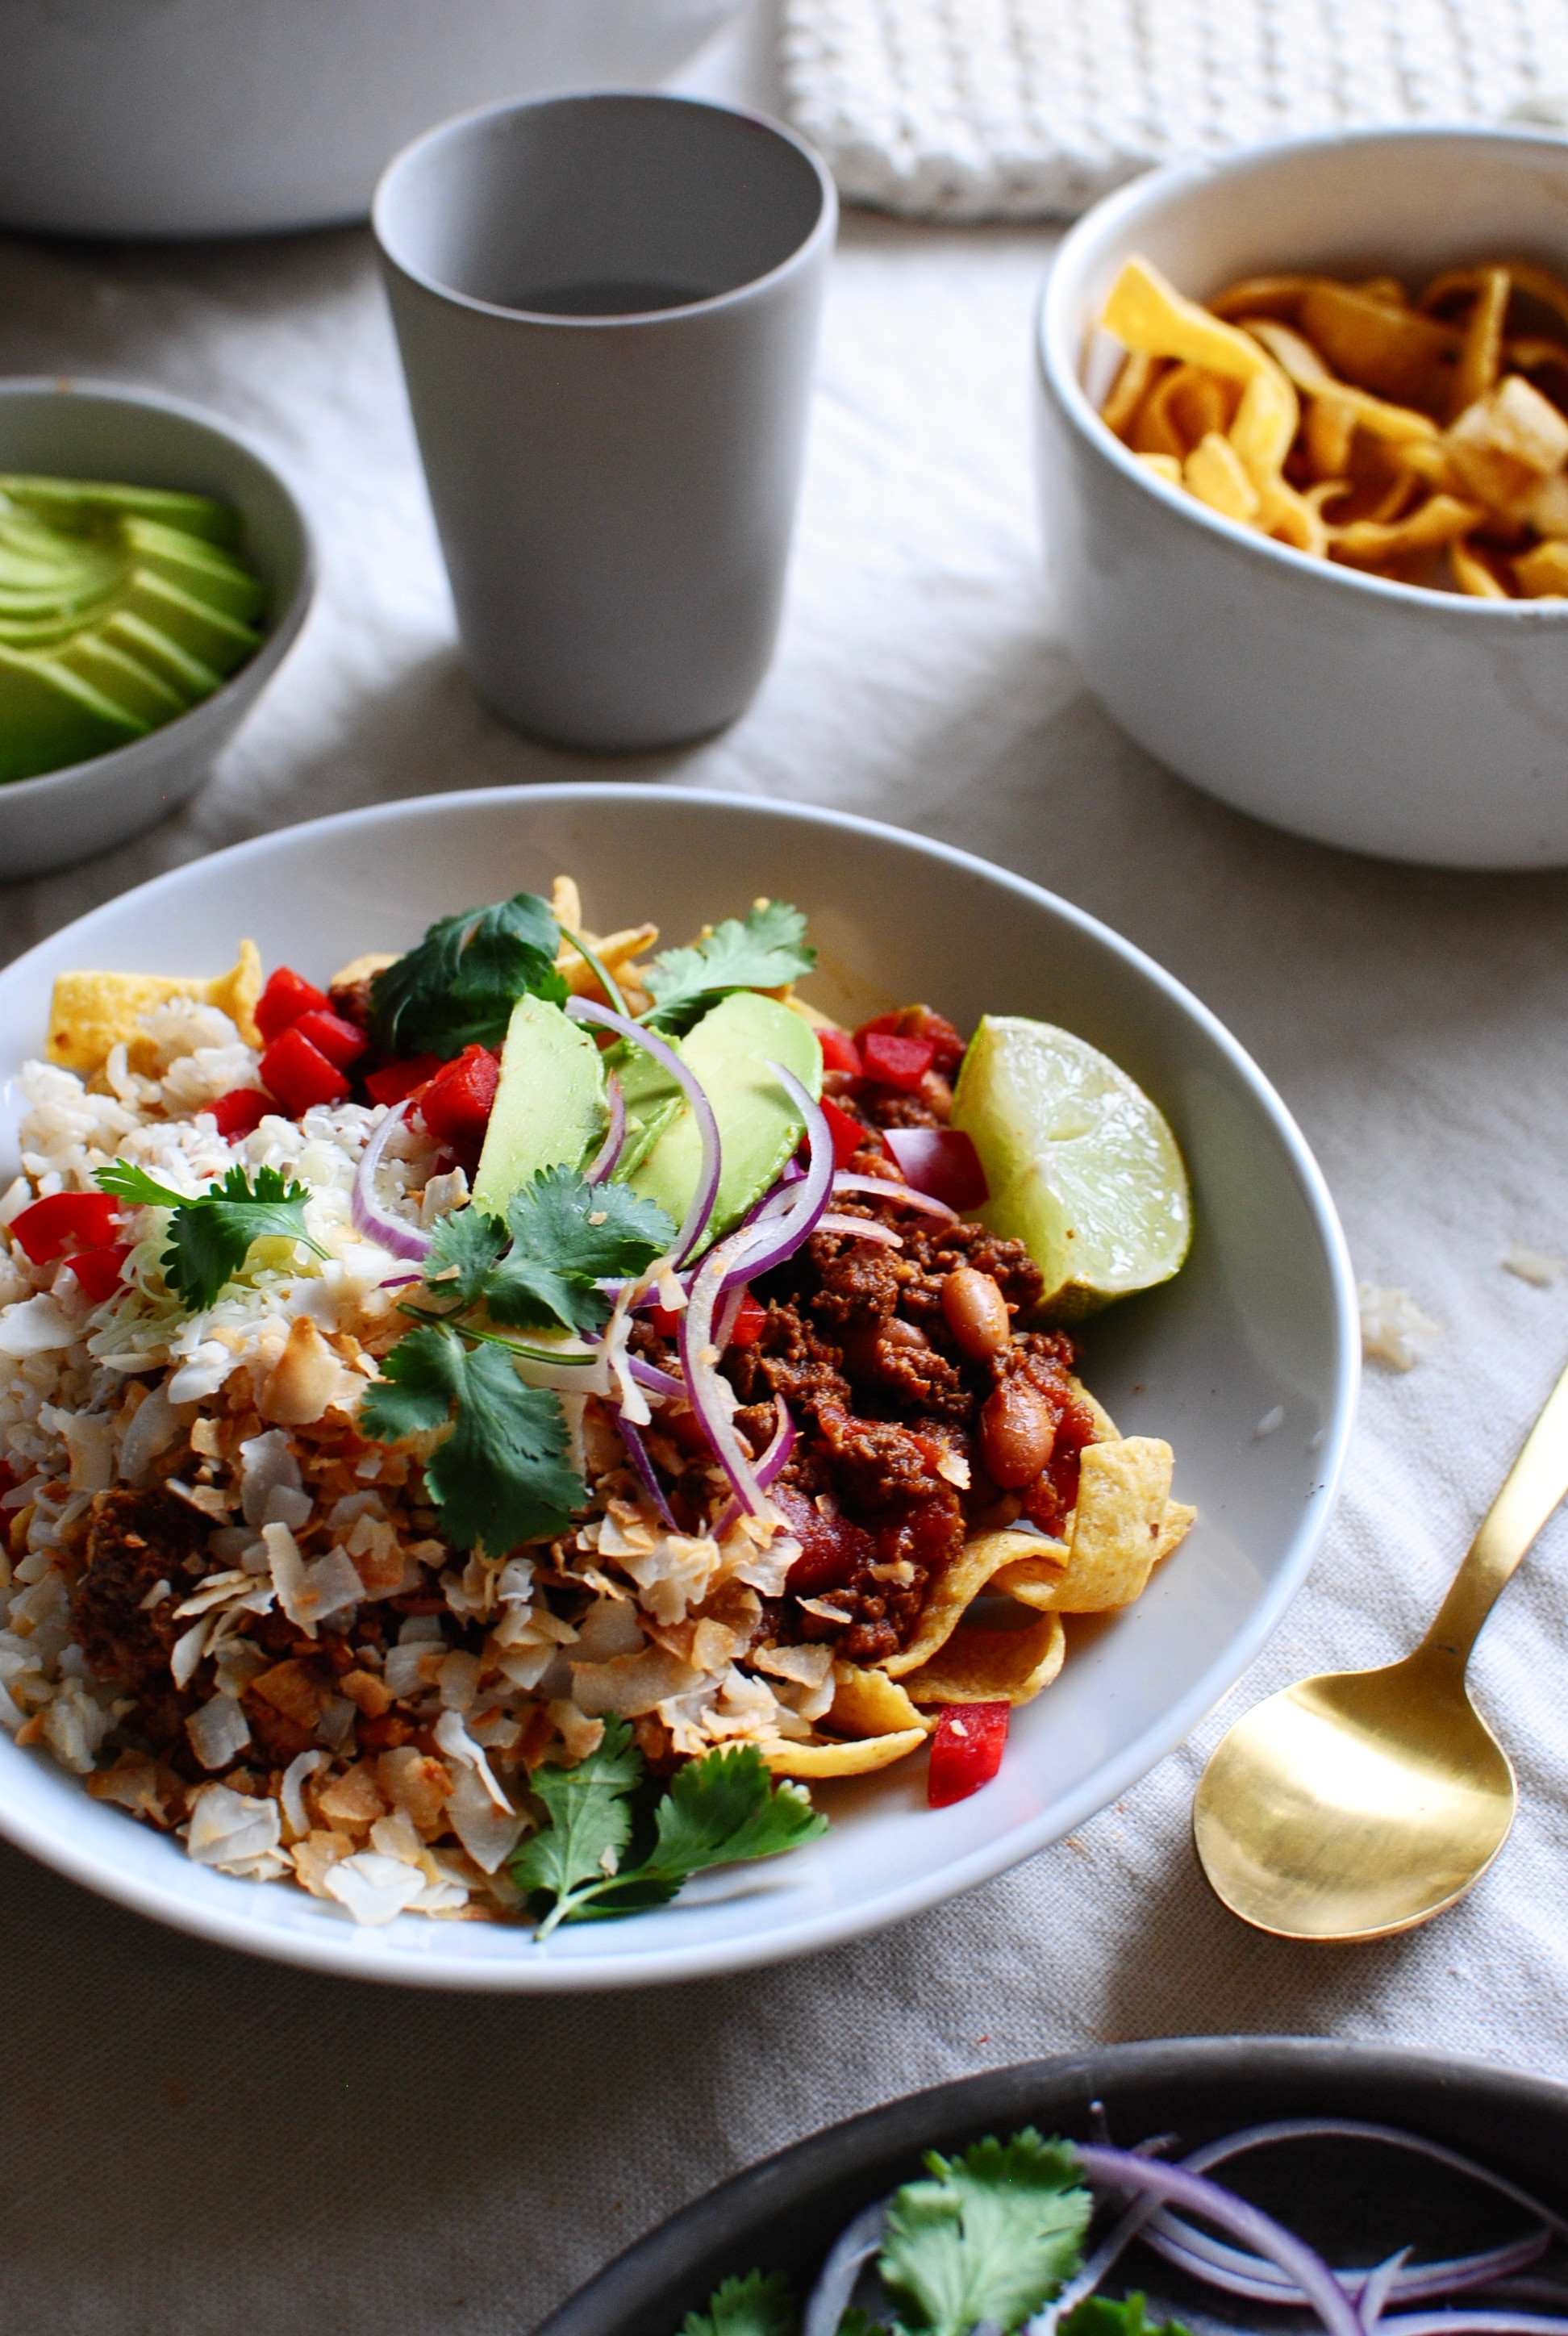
(136, 1540)
(886, 1404)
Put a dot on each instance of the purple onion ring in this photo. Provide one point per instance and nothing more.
(394, 1234)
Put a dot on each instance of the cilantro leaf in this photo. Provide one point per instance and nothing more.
(209, 1236)
(757, 2305)
(566, 1234)
(500, 1477)
(464, 1246)
(991, 2237)
(1098, 2316)
(717, 1811)
(589, 1820)
(763, 950)
(457, 986)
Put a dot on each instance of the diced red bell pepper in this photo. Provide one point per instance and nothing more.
(341, 1042)
(920, 1022)
(840, 1053)
(966, 1750)
(846, 1131)
(457, 1104)
(241, 1112)
(894, 1062)
(98, 1270)
(941, 1161)
(396, 1082)
(300, 1076)
(42, 1230)
(288, 996)
(665, 1320)
(750, 1321)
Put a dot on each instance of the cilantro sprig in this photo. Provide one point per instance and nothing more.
(500, 1475)
(991, 2237)
(761, 950)
(457, 986)
(759, 2305)
(716, 1811)
(211, 1237)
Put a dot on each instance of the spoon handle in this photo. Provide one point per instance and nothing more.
(1534, 1485)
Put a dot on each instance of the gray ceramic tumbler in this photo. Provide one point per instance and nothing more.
(607, 308)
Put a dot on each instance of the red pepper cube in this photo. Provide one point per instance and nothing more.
(300, 1076)
(840, 1053)
(457, 1104)
(895, 1062)
(750, 1321)
(849, 1136)
(99, 1271)
(966, 1750)
(341, 1042)
(42, 1230)
(920, 1022)
(288, 996)
(665, 1320)
(396, 1082)
(942, 1161)
(241, 1112)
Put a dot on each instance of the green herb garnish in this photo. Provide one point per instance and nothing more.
(458, 986)
(561, 1236)
(1098, 2316)
(761, 950)
(501, 1475)
(716, 1811)
(991, 2237)
(756, 2305)
(209, 1236)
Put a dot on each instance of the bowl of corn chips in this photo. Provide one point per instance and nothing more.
(1302, 438)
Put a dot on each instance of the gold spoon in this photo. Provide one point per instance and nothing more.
(1361, 1803)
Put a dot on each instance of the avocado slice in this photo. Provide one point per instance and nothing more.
(727, 1052)
(122, 679)
(204, 632)
(50, 717)
(149, 646)
(76, 505)
(199, 569)
(549, 1107)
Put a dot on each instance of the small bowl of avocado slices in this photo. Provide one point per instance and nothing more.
(154, 571)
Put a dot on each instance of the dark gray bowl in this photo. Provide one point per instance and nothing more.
(1355, 2202)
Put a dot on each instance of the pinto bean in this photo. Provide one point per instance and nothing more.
(976, 1312)
(1017, 1434)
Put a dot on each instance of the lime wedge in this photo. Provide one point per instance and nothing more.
(1081, 1166)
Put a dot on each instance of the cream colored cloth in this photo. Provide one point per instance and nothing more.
(1033, 109)
(196, 2143)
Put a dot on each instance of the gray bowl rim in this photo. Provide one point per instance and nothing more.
(667, 1965)
(645, 2290)
(824, 229)
(1061, 383)
(257, 670)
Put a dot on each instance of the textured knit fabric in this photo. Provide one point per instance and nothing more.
(1033, 109)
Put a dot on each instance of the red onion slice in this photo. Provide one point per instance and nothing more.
(609, 1150)
(1477, 2322)
(583, 1009)
(638, 1453)
(1174, 2185)
(885, 1188)
(775, 1233)
(1258, 2137)
(859, 1229)
(704, 1390)
(394, 1234)
(649, 1375)
(768, 1468)
(1239, 2273)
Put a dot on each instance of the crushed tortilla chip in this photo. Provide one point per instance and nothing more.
(952, 1594)
(849, 1759)
(867, 1703)
(982, 1666)
(92, 1013)
(363, 968)
(1123, 1524)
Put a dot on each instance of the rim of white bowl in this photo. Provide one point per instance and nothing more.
(1060, 363)
(257, 668)
(354, 1953)
(823, 228)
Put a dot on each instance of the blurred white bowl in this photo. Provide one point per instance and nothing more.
(1421, 725)
(90, 430)
(235, 117)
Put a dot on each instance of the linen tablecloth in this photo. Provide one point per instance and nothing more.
(192, 2141)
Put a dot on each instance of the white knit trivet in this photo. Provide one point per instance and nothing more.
(1032, 108)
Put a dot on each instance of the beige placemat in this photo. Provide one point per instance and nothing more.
(1033, 109)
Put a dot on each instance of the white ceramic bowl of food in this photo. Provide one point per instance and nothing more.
(238, 117)
(1418, 724)
(1260, 1325)
(97, 430)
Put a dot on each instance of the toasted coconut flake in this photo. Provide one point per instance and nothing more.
(228, 1827)
(375, 1889)
(456, 1742)
(416, 1783)
(218, 1731)
(308, 1379)
(632, 1684)
(489, 1834)
(312, 1857)
(290, 1794)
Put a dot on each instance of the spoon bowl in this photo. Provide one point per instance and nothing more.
(1361, 1803)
